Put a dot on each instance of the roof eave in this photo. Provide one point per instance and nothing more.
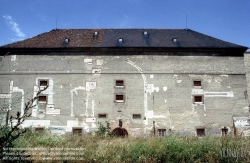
(224, 51)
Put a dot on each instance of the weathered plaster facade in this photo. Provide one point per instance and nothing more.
(157, 92)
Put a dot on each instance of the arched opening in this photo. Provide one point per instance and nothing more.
(120, 132)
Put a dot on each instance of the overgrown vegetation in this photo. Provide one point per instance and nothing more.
(12, 129)
(153, 150)
(104, 147)
(104, 131)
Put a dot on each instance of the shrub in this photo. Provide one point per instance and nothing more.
(104, 131)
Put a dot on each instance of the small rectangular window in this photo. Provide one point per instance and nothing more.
(102, 115)
(77, 131)
(161, 132)
(120, 122)
(198, 99)
(119, 98)
(43, 83)
(136, 116)
(224, 131)
(42, 99)
(39, 129)
(200, 131)
(119, 83)
(197, 83)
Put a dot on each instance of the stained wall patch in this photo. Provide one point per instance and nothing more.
(99, 62)
(90, 85)
(96, 71)
(88, 61)
(13, 57)
(165, 88)
(5, 95)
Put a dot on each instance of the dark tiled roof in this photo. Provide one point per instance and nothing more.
(185, 38)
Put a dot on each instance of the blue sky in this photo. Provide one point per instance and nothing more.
(228, 20)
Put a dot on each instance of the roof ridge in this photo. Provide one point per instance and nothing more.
(117, 28)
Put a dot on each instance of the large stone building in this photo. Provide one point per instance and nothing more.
(142, 81)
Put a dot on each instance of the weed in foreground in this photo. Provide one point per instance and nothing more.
(154, 149)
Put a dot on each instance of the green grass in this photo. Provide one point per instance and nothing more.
(167, 149)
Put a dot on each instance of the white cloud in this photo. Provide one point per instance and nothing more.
(14, 26)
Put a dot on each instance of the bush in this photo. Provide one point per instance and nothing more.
(104, 131)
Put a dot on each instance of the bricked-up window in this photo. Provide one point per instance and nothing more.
(198, 99)
(161, 132)
(119, 83)
(77, 131)
(102, 115)
(42, 99)
(119, 98)
(224, 131)
(43, 83)
(197, 83)
(200, 131)
(136, 116)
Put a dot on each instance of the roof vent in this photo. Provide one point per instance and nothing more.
(66, 40)
(145, 33)
(120, 40)
(174, 40)
(96, 33)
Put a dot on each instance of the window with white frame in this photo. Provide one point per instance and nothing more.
(119, 98)
(119, 83)
(198, 99)
(42, 99)
(43, 83)
(161, 132)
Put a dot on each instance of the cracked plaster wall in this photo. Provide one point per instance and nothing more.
(159, 87)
